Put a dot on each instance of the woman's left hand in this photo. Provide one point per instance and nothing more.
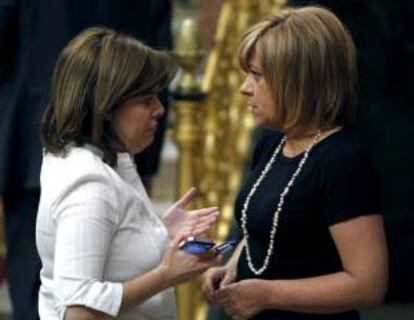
(241, 300)
(178, 220)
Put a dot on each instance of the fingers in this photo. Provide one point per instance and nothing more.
(207, 220)
(208, 286)
(205, 212)
(204, 221)
(224, 302)
(226, 281)
(233, 315)
(223, 295)
(211, 287)
(205, 215)
(206, 261)
(202, 227)
(175, 243)
(196, 231)
(186, 198)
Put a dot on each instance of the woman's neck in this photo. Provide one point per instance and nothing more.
(298, 144)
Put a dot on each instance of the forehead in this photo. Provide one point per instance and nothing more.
(254, 61)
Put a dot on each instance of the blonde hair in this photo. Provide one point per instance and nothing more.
(95, 73)
(308, 60)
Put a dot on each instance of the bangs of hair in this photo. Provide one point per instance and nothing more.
(157, 71)
(248, 44)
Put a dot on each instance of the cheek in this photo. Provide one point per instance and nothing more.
(270, 105)
(130, 124)
(267, 106)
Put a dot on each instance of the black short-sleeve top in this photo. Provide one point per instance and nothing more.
(336, 183)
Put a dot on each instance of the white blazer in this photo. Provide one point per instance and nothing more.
(96, 228)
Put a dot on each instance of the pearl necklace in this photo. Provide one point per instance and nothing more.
(265, 171)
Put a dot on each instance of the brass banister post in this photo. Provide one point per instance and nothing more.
(212, 126)
(188, 135)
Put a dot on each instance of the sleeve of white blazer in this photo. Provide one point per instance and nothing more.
(86, 217)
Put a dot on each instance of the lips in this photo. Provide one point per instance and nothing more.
(154, 127)
(253, 109)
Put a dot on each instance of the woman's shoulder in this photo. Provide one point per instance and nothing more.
(74, 161)
(77, 166)
(343, 150)
(348, 178)
(79, 176)
(346, 143)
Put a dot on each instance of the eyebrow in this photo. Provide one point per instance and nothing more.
(140, 98)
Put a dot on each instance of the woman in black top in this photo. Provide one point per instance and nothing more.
(314, 244)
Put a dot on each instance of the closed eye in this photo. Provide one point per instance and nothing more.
(256, 75)
(146, 100)
(149, 100)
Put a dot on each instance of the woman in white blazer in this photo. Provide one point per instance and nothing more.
(104, 251)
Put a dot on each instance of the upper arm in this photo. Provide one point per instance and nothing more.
(350, 185)
(362, 248)
(82, 313)
(86, 220)
(351, 209)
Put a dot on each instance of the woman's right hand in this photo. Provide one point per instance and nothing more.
(217, 278)
(178, 266)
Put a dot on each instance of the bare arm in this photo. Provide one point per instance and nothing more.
(176, 267)
(362, 248)
(141, 288)
(236, 255)
(135, 292)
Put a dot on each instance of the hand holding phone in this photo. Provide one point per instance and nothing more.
(225, 246)
(201, 246)
(196, 246)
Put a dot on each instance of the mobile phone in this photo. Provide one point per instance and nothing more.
(225, 246)
(196, 246)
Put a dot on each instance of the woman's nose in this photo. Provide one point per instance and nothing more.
(246, 88)
(159, 110)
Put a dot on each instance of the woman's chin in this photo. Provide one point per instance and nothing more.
(143, 146)
(260, 122)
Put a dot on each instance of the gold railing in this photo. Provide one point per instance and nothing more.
(213, 127)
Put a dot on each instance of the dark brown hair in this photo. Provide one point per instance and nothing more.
(95, 73)
(308, 60)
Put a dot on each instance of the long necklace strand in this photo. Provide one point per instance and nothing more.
(263, 174)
